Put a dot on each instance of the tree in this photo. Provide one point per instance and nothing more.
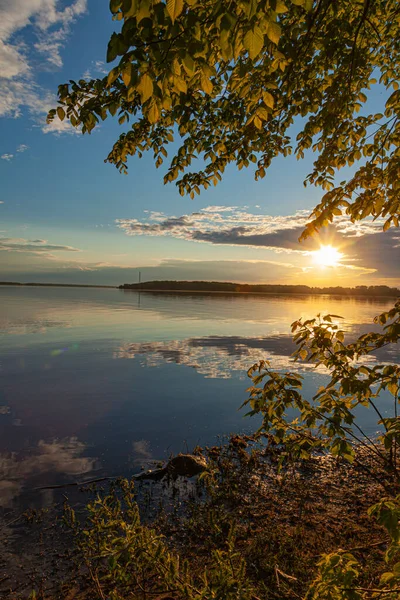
(234, 80)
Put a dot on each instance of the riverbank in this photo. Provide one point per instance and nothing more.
(271, 526)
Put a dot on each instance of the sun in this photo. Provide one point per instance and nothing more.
(327, 256)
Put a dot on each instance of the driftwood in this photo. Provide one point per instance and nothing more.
(182, 465)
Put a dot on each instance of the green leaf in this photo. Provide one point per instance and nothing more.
(180, 85)
(274, 32)
(153, 113)
(112, 76)
(206, 84)
(263, 114)
(115, 5)
(174, 8)
(280, 7)
(268, 99)
(127, 74)
(253, 41)
(189, 64)
(145, 87)
(143, 11)
(132, 10)
(60, 113)
(112, 49)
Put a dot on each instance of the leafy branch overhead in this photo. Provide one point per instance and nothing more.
(233, 77)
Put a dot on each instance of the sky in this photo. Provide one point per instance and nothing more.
(68, 217)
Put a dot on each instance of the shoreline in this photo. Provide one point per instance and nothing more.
(293, 516)
(72, 285)
(242, 293)
(344, 294)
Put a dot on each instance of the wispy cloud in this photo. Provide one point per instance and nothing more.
(50, 23)
(97, 67)
(35, 247)
(9, 156)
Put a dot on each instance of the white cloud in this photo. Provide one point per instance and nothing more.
(7, 157)
(22, 148)
(15, 95)
(97, 67)
(51, 26)
(50, 23)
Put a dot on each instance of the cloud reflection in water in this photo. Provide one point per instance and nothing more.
(218, 357)
(58, 456)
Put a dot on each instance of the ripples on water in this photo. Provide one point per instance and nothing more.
(102, 381)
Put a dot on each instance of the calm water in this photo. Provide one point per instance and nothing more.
(102, 381)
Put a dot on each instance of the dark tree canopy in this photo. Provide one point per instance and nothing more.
(232, 78)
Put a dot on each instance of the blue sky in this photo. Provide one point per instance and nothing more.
(66, 216)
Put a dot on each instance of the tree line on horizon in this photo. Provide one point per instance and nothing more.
(221, 286)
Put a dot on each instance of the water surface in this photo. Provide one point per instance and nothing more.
(101, 381)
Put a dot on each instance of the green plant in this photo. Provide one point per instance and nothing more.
(124, 558)
(328, 421)
(339, 571)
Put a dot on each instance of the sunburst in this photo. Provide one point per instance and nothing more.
(327, 256)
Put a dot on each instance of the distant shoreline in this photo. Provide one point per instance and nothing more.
(231, 289)
(219, 287)
(73, 285)
(233, 293)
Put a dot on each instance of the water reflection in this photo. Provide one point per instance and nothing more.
(71, 402)
(213, 357)
(45, 463)
(217, 357)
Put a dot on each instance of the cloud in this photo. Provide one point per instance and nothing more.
(36, 247)
(234, 226)
(49, 23)
(365, 247)
(217, 225)
(97, 67)
(9, 156)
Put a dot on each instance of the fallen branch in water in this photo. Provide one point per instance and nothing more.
(184, 465)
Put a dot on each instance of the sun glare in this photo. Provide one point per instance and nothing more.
(327, 256)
